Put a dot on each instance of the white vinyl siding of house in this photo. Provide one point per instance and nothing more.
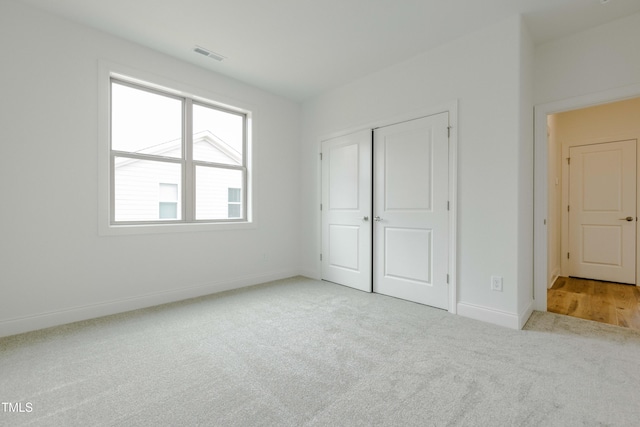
(213, 154)
(137, 185)
(137, 188)
(212, 191)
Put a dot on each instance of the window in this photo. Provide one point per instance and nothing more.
(234, 203)
(168, 201)
(175, 158)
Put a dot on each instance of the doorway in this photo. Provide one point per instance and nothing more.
(589, 144)
(386, 210)
(605, 302)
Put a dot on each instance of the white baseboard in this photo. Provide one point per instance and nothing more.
(524, 316)
(490, 315)
(554, 276)
(311, 274)
(74, 314)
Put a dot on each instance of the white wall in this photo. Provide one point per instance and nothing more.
(54, 266)
(484, 72)
(525, 178)
(591, 61)
(595, 66)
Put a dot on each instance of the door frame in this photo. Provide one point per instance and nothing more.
(540, 190)
(452, 109)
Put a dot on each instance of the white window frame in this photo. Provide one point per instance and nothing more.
(186, 161)
(153, 82)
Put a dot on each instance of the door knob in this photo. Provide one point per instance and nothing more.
(377, 218)
(629, 218)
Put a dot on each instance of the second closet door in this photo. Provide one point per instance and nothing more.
(410, 229)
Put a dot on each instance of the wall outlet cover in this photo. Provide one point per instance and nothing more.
(496, 283)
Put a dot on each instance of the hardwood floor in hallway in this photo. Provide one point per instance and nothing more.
(605, 302)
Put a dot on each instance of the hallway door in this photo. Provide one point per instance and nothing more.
(602, 211)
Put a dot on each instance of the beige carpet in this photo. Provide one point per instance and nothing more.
(300, 352)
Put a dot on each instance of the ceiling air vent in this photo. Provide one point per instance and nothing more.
(207, 52)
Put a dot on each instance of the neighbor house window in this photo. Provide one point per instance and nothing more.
(168, 201)
(234, 203)
(175, 158)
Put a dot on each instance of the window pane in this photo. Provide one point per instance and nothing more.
(136, 188)
(145, 122)
(234, 195)
(212, 192)
(168, 192)
(217, 136)
(168, 210)
(234, 210)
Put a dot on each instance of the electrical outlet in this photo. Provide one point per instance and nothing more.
(496, 283)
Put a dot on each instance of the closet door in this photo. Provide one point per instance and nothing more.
(410, 210)
(346, 210)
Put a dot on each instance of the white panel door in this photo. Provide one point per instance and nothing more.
(346, 210)
(602, 211)
(411, 242)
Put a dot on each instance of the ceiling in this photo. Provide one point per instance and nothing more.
(300, 48)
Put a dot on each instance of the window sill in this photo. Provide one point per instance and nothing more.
(124, 230)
